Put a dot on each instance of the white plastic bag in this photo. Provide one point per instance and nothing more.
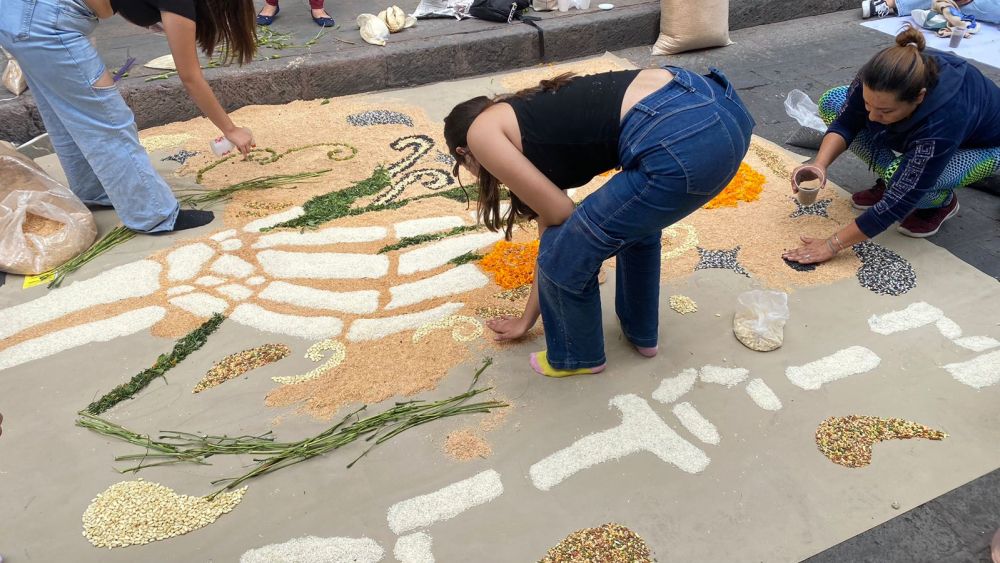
(457, 9)
(801, 108)
(42, 223)
(759, 323)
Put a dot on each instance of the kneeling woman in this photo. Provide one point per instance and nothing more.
(678, 138)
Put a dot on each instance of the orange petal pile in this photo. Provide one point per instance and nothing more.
(511, 263)
(746, 186)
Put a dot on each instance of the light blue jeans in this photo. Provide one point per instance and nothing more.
(91, 128)
(678, 148)
(984, 10)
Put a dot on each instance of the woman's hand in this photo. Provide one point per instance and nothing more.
(242, 138)
(509, 328)
(813, 251)
(807, 172)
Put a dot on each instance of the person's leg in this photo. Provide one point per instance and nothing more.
(983, 10)
(66, 71)
(968, 166)
(319, 14)
(267, 14)
(637, 292)
(82, 180)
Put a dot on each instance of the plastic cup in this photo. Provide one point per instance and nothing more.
(564, 5)
(957, 33)
(807, 193)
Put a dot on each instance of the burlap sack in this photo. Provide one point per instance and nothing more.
(42, 223)
(686, 26)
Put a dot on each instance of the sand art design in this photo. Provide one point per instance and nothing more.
(610, 543)
(316, 285)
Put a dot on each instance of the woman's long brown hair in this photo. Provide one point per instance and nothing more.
(230, 23)
(456, 130)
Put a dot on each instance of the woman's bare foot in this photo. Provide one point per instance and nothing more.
(269, 10)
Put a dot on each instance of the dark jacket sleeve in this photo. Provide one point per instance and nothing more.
(853, 117)
(919, 169)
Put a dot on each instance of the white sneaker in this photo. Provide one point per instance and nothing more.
(876, 9)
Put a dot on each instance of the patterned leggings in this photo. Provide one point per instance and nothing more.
(967, 166)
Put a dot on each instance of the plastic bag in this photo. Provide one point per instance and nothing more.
(457, 9)
(13, 77)
(801, 108)
(42, 223)
(759, 323)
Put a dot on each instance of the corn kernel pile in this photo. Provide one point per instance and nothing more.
(140, 512)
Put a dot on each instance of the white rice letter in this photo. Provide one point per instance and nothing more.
(98, 331)
(137, 279)
(333, 235)
(272, 220)
(641, 430)
(414, 548)
(457, 280)
(978, 372)
(763, 395)
(674, 388)
(185, 262)
(416, 227)
(310, 328)
(724, 376)
(446, 503)
(323, 265)
(359, 302)
(696, 424)
(845, 363)
(311, 549)
(438, 254)
(977, 343)
(915, 316)
(375, 329)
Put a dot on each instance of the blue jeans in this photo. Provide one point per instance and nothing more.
(91, 127)
(678, 148)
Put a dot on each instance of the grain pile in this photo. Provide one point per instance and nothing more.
(683, 304)
(610, 543)
(848, 440)
(237, 364)
(140, 512)
(467, 444)
(41, 226)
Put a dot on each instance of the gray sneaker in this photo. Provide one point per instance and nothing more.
(876, 9)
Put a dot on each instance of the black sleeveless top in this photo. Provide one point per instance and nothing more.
(571, 135)
(147, 12)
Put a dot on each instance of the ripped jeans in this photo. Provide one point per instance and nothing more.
(678, 147)
(91, 127)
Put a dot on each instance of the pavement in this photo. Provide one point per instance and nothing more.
(767, 61)
(339, 63)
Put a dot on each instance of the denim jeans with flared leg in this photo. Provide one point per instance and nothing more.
(678, 148)
(91, 127)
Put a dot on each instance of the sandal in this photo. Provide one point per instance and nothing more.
(324, 21)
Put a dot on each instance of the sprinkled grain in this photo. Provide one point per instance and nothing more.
(240, 363)
(467, 444)
(848, 440)
(610, 543)
(683, 304)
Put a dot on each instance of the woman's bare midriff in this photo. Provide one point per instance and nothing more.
(645, 83)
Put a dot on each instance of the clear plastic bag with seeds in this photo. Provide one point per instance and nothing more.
(759, 323)
(42, 223)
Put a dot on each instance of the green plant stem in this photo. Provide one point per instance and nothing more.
(466, 258)
(183, 447)
(334, 205)
(182, 349)
(118, 235)
(197, 198)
